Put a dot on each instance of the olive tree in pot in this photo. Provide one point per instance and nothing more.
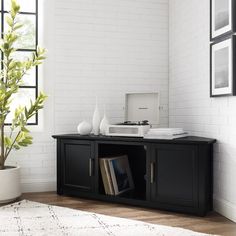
(16, 135)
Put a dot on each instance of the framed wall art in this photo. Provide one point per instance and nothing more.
(222, 18)
(222, 67)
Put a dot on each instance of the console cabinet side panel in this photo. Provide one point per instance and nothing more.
(59, 170)
(148, 169)
(205, 178)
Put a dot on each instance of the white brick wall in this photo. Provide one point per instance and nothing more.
(107, 48)
(95, 47)
(190, 104)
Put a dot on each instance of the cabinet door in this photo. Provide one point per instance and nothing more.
(174, 174)
(77, 164)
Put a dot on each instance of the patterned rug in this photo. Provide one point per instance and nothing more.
(28, 218)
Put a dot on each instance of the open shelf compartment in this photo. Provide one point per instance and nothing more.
(137, 163)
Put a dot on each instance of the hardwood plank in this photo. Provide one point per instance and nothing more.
(213, 223)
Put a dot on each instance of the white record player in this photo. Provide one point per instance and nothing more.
(128, 129)
(138, 106)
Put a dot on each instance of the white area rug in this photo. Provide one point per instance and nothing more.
(28, 218)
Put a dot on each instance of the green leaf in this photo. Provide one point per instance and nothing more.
(10, 21)
(23, 129)
(18, 26)
(8, 141)
(17, 147)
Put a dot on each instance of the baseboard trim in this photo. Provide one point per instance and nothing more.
(38, 187)
(225, 208)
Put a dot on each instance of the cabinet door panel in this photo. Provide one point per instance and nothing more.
(78, 164)
(174, 174)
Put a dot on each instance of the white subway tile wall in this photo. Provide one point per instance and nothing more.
(190, 106)
(105, 49)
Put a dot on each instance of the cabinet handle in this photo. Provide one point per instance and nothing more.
(90, 167)
(152, 173)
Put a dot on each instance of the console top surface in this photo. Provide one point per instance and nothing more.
(185, 140)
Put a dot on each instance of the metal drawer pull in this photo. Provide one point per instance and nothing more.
(152, 173)
(90, 167)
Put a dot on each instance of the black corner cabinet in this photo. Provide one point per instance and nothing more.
(174, 175)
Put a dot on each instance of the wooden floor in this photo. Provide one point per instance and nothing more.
(213, 223)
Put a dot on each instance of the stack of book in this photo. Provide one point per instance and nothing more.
(116, 174)
(166, 133)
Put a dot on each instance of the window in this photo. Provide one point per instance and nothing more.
(26, 45)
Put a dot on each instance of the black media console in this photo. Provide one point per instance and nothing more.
(174, 175)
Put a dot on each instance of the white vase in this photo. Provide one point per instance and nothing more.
(84, 128)
(10, 184)
(104, 124)
(96, 120)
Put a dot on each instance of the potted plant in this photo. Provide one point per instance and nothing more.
(16, 135)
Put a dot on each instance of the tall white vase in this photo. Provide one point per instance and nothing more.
(104, 124)
(96, 120)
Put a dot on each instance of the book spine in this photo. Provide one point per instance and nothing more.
(109, 179)
(104, 177)
(113, 178)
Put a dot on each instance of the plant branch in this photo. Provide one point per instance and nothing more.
(2, 159)
(13, 143)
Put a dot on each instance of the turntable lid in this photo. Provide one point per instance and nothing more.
(142, 106)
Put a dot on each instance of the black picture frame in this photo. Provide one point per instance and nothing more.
(232, 70)
(233, 21)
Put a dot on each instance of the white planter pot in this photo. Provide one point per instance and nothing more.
(9, 184)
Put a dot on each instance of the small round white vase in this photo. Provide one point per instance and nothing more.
(84, 128)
